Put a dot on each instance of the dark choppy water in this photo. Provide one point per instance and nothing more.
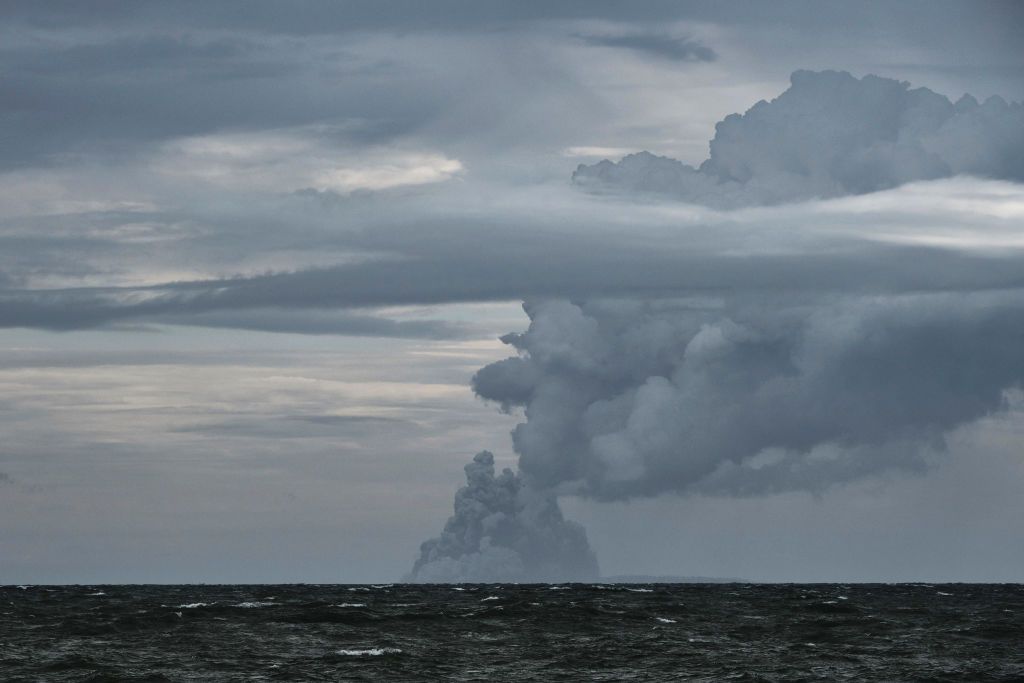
(503, 632)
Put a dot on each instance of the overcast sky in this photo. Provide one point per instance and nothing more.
(253, 254)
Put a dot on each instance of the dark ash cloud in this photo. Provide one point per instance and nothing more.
(634, 398)
(503, 531)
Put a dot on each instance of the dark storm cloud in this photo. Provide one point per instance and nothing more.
(121, 95)
(114, 77)
(305, 17)
(662, 46)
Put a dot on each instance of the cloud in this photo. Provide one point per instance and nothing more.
(945, 235)
(299, 159)
(831, 135)
(300, 427)
(319, 322)
(627, 398)
(656, 45)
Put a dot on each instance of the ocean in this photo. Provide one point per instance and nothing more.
(590, 632)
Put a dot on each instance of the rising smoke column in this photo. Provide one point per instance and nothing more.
(504, 531)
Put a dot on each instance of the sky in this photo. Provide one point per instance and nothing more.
(271, 274)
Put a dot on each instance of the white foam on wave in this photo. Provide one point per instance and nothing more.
(359, 588)
(195, 605)
(941, 593)
(640, 590)
(96, 594)
(370, 652)
(665, 621)
(352, 604)
(252, 605)
(559, 588)
(490, 597)
(458, 589)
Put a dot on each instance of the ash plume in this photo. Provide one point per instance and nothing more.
(745, 392)
(504, 531)
(632, 398)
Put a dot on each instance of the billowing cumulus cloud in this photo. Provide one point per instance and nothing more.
(830, 135)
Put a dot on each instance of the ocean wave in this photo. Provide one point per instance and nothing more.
(370, 652)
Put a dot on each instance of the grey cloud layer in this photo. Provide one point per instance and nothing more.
(546, 268)
(830, 135)
(657, 45)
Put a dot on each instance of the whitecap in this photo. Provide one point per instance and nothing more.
(941, 593)
(359, 588)
(665, 621)
(96, 594)
(352, 604)
(458, 589)
(250, 605)
(370, 652)
(640, 590)
(194, 605)
(490, 597)
(559, 588)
